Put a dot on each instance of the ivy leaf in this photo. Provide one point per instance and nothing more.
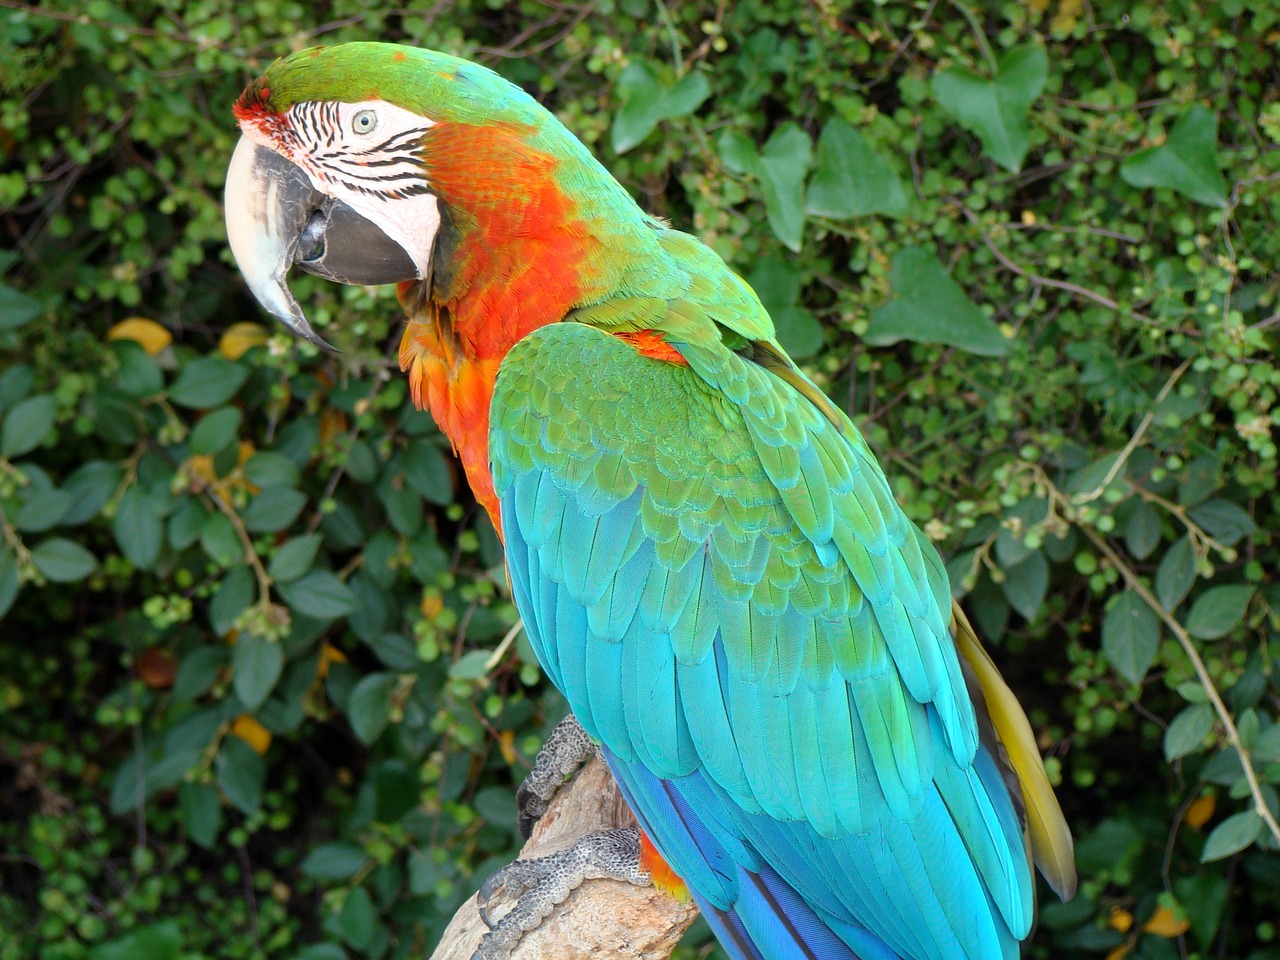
(646, 102)
(1231, 836)
(1187, 731)
(1130, 636)
(1187, 162)
(850, 179)
(776, 282)
(784, 163)
(929, 307)
(996, 109)
(1218, 611)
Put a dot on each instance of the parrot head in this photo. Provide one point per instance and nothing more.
(344, 168)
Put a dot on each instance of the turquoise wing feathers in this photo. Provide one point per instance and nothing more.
(715, 573)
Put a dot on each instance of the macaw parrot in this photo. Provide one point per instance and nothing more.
(708, 559)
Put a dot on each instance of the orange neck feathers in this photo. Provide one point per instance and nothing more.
(514, 254)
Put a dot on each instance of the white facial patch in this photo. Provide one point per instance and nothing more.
(369, 156)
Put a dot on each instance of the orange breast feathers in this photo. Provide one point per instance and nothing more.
(457, 394)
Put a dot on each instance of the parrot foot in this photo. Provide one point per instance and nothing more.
(565, 751)
(539, 886)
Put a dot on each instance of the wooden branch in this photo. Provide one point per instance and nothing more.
(602, 919)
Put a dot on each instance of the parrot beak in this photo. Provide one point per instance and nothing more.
(276, 218)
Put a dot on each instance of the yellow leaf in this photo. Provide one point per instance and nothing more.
(432, 603)
(1029, 218)
(251, 732)
(1200, 811)
(1120, 919)
(1122, 951)
(507, 744)
(150, 335)
(239, 338)
(1165, 923)
(329, 654)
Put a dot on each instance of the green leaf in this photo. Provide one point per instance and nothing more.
(241, 773)
(1186, 162)
(266, 468)
(776, 281)
(256, 665)
(1130, 636)
(472, 665)
(17, 308)
(201, 813)
(996, 109)
(428, 472)
(738, 152)
(139, 375)
(9, 581)
(216, 431)
(1187, 731)
(1218, 611)
(294, 557)
(42, 509)
(63, 561)
(139, 528)
(929, 307)
(369, 707)
(1231, 836)
(784, 162)
(27, 424)
(1026, 584)
(1176, 574)
(160, 941)
(1204, 899)
(207, 382)
(319, 594)
(850, 179)
(334, 861)
(274, 509)
(219, 540)
(234, 595)
(646, 102)
(1142, 532)
(1225, 521)
(358, 919)
(198, 670)
(91, 486)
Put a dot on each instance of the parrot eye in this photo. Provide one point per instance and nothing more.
(364, 122)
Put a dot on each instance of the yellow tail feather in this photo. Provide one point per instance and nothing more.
(1052, 848)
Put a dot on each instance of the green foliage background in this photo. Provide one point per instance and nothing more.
(1030, 246)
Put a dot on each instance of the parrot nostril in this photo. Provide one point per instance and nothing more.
(311, 241)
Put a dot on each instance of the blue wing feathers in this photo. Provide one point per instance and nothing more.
(763, 647)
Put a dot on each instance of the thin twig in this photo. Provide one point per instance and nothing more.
(1138, 434)
(1211, 691)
